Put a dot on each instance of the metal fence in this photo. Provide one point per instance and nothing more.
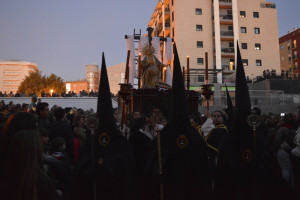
(259, 98)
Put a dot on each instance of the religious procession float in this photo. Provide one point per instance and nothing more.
(148, 78)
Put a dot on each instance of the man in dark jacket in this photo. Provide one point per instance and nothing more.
(59, 128)
(42, 111)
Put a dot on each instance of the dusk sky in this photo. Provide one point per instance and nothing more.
(62, 36)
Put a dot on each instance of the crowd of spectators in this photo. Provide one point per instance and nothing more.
(82, 93)
(63, 130)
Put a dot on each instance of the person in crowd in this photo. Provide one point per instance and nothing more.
(282, 146)
(22, 175)
(32, 106)
(59, 147)
(139, 142)
(214, 140)
(207, 125)
(44, 133)
(59, 128)
(196, 123)
(24, 107)
(42, 111)
(136, 114)
(78, 128)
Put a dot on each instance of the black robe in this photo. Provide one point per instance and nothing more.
(214, 141)
(139, 142)
(114, 171)
(185, 170)
(238, 177)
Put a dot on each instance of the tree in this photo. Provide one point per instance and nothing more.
(36, 83)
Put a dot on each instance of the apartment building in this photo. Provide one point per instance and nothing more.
(215, 26)
(289, 48)
(13, 72)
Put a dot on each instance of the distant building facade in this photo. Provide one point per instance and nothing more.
(12, 73)
(92, 77)
(215, 26)
(116, 75)
(76, 86)
(289, 48)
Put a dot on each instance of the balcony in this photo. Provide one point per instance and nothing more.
(268, 5)
(227, 52)
(225, 3)
(227, 68)
(226, 19)
(226, 35)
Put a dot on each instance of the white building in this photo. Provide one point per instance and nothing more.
(12, 73)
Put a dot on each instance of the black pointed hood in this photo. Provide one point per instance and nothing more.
(229, 102)
(179, 103)
(245, 168)
(242, 97)
(183, 151)
(104, 105)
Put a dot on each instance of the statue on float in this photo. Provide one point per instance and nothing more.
(151, 69)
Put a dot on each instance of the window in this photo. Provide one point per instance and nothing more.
(173, 33)
(295, 55)
(258, 63)
(200, 61)
(282, 58)
(172, 2)
(199, 44)
(257, 46)
(172, 16)
(230, 44)
(243, 30)
(200, 78)
(230, 28)
(296, 65)
(281, 47)
(229, 12)
(198, 11)
(256, 14)
(243, 13)
(295, 44)
(244, 46)
(245, 62)
(257, 30)
(198, 27)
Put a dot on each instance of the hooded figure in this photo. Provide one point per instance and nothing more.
(185, 173)
(105, 168)
(245, 170)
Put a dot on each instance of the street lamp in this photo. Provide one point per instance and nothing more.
(51, 91)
